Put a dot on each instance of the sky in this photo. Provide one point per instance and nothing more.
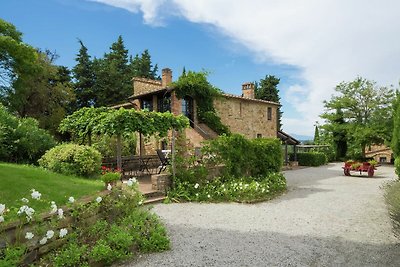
(311, 45)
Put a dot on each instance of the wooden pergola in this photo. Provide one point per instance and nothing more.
(288, 140)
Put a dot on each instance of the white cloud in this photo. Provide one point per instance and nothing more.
(148, 8)
(330, 41)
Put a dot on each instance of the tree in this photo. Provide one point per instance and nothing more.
(16, 57)
(316, 135)
(364, 107)
(84, 78)
(395, 145)
(44, 94)
(335, 130)
(267, 89)
(113, 80)
(141, 66)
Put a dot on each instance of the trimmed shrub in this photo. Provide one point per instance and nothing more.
(311, 158)
(72, 159)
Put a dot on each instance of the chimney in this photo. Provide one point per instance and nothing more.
(248, 90)
(166, 77)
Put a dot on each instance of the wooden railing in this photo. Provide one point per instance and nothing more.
(135, 165)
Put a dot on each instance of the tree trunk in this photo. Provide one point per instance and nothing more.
(363, 150)
(119, 154)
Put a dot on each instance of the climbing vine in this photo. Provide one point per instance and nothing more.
(196, 85)
(120, 122)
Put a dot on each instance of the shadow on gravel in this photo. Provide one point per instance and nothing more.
(200, 247)
(300, 192)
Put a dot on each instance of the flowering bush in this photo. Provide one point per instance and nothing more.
(72, 159)
(245, 189)
(109, 175)
(121, 229)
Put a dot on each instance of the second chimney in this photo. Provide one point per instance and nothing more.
(166, 77)
(248, 90)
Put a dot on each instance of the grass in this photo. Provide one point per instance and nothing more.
(392, 196)
(16, 181)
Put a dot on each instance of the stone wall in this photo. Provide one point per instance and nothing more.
(247, 116)
(143, 85)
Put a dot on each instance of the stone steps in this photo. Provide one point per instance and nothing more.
(154, 196)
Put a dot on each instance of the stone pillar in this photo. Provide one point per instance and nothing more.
(176, 104)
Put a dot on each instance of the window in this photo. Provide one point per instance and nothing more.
(147, 104)
(382, 159)
(164, 103)
(269, 113)
(259, 135)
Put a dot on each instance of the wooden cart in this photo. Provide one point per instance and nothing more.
(354, 166)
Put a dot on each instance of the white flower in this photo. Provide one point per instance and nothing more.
(197, 194)
(99, 199)
(43, 241)
(140, 202)
(22, 209)
(50, 234)
(208, 196)
(1, 219)
(29, 235)
(60, 213)
(25, 200)
(109, 187)
(63, 232)
(2, 208)
(27, 210)
(35, 194)
(196, 185)
(71, 199)
(131, 181)
(53, 208)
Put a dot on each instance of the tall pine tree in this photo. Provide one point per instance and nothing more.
(113, 79)
(84, 78)
(267, 89)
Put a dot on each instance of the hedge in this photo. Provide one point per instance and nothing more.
(310, 158)
(247, 157)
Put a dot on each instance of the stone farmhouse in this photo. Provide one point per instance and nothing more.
(380, 153)
(253, 118)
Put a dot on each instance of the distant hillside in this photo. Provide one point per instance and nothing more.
(302, 138)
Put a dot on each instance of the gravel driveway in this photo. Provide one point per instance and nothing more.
(325, 219)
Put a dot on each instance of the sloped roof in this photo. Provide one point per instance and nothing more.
(287, 138)
(250, 99)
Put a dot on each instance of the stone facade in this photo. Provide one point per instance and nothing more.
(242, 114)
(247, 116)
(380, 153)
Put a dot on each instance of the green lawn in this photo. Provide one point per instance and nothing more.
(16, 182)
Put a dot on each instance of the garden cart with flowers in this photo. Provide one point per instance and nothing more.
(355, 166)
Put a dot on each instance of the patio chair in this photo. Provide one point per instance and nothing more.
(164, 160)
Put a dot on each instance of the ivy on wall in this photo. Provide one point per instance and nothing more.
(196, 85)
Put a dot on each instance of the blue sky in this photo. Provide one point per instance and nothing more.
(242, 43)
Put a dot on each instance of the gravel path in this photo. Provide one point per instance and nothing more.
(325, 219)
